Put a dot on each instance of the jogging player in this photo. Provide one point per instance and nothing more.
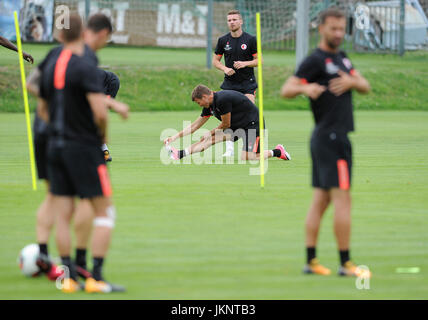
(240, 54)
(239, 120)
(72, 101)
(327, 77)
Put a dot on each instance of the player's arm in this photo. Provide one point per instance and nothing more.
(295, 86)
(121, 108)
(42, 109)
(97, 102)
(33, 82)
(243, 64)
(7, 44)
(220, 66)
(195, 125)
(225, 124)
(346, 82)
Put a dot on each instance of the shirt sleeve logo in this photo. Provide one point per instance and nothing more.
(347, 63)
(243, 46)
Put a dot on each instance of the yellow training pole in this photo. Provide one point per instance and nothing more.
(27, 109)
(260, 80)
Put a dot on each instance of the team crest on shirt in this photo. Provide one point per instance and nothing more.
(227, 47)
(330, 67)
(243, 46)
(347, 63)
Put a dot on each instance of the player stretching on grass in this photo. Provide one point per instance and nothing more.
(7, 44)
(239, 120)
(73, 104)
(240, 54)
(327, 77)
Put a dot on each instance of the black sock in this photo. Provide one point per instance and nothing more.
(180, 154)
(43, 248)
(276, 153)
(98, 268)
(344, 256)
(66, 261)
(310, 254)
(81, 257)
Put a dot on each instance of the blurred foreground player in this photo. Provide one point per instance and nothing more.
(72, 102)
(327, 77)
(97, 33)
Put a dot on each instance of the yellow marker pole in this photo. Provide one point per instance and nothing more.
(260, 80)
(27, 109)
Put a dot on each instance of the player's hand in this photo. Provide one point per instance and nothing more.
(340, 85)
(239, 64)
(28, 57)
(314, 90)
(229, 71)
(121, 108)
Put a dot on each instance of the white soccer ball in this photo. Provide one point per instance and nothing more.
(27, 260)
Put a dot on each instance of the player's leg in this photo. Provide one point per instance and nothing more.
(104, 222)
(251, 146)
(44, 224)
(321, 155)
(342, 229)
(83, 219)
(320, 202)
(45, 221)
(91, 180)
(45, 216)
(199, 146)
(64, 207)
(342, 220)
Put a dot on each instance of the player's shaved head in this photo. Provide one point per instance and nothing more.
(74, 31)
(199, 91)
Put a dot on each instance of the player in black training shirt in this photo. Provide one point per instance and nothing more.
(96, 35)
(240, 54)
(327, 77)
(72, 102)
(239, 120)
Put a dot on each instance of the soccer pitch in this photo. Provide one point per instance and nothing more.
(189, 231)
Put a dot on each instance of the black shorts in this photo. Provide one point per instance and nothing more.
(40, 147)
(331, 160)
(245, 87)
(250, 136)
(78, 170)
(111, 84)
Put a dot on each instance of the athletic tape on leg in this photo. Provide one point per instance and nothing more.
(107, 221)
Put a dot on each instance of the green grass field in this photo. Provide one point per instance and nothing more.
(162, 79)
(209, 232)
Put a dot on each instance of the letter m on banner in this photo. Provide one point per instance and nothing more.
(168, 18)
